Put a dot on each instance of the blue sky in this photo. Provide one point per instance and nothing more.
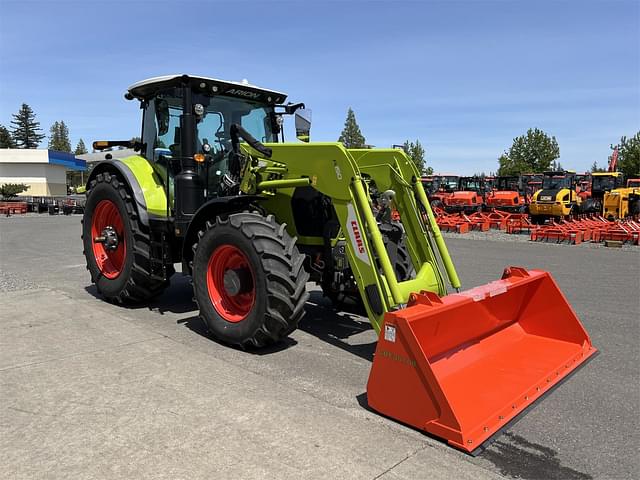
(463, 77)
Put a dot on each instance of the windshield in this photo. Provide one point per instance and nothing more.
(213, 126)
(162, 138)
(603, 183)
(556, 182)
(428, 184)
(508, 184)
(474, 185)
(449, 183)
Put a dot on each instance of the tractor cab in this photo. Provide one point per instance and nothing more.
(187, 120)
(604, 182)
(507, 184)
(531, 183)
(191, 129)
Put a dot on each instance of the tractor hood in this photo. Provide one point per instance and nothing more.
(148, 88)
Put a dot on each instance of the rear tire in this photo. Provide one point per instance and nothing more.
(402, 266)
(268, 301)
(437, 204)
(538, 219)
(124, 275)
(634, 205)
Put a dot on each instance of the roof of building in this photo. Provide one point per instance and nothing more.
(41, 155)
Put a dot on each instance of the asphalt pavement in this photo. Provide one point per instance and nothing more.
(93, 390)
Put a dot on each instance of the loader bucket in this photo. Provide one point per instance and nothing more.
(462, 366)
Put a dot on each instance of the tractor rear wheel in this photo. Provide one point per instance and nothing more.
(116, 244)
(249, 280)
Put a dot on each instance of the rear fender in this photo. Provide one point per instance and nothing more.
(121, 169)
(145, 185)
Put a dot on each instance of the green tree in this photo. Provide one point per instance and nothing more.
(351, 135)
(59, 138)
(595, 168)
(10, 190)
(26, 130)
(530, 153)
(629, 155)
(6, 140)
(81, 149)
(416, 153)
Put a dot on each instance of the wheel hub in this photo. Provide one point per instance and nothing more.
(108, 238)
(237, 281)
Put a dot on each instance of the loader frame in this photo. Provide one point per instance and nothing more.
(345, 176)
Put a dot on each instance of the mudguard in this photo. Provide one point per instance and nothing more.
(144, 184)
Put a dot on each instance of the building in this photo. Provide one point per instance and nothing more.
(45, 171)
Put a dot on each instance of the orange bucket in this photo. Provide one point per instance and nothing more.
(462, 366)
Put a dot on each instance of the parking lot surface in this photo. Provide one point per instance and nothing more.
(94, 390)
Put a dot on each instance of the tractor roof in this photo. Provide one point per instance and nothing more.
(148, 88)
(607, 174)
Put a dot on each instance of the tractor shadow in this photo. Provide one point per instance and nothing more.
(334, 327)
(322, 320)
(176, 298)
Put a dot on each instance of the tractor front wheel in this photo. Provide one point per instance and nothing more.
(249, 280)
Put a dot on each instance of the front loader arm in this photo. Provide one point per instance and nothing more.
(334, 172)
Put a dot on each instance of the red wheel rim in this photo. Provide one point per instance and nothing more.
(110, 262)
(233, 308)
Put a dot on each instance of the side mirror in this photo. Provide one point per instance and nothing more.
(162, 116)
(303, 124)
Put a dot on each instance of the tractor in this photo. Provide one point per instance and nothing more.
(556, 199)
(469, 197)
(601, 183)
(531, 183)
(252, 219)
(439, 187)
(506, 195)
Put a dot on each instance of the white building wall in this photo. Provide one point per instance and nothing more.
(31, 167)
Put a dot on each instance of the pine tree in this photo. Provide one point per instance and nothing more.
(81, 149)
(351, 135)
(54, 135)
(59, 138)
(26, 131)
(416, 152)
(6, 140)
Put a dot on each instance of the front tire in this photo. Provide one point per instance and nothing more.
(249, 280)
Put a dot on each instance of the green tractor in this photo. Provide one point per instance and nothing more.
(253, 219)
